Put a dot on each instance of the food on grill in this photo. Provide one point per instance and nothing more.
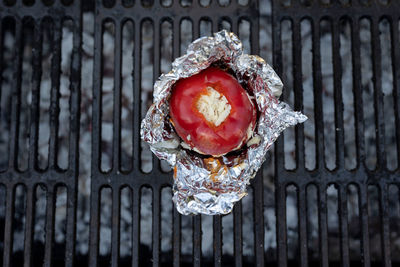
(200, 105)
(212, 112)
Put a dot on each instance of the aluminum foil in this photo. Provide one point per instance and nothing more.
(211, 185)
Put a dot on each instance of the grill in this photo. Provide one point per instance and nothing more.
(315, 166)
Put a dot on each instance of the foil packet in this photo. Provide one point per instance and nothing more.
(204, 184)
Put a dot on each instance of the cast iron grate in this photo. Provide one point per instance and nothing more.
(45, 21)
(335, 14)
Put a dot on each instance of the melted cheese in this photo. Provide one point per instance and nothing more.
(214, 106)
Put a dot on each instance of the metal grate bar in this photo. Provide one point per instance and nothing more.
(176, 33)
(238, 234)
(197, 241)
(278, 66)
(1, 57)
(363, 206)
(30, 213)
(385, 236)
(55, 85)
(116, 218)
(97, 96)
(36, 76)
(156, 72)
(8, 228)
(281, 233)
(298, 92)
(258, 180)
(344, 232)
(137, 99)
(48, 254)
(94, 226)
(302, 215)
(135, 226)
(358, 106)
(75, 85)
(117, 98)
(378, 95)
(217, 231)
(156, 225)
(396, 80)
(70, 226)
(176, 242)
(75, 94)
(337, 85)
(323, 226)
(258, 219)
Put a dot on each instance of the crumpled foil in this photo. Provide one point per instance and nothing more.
(210, 185)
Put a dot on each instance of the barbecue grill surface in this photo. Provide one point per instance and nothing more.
(71, 102)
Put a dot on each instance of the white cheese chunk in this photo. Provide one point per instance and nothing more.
(214, 106)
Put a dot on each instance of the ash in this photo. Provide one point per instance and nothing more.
(83, 212)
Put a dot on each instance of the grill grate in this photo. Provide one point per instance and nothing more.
(25, 14)
(340, 177)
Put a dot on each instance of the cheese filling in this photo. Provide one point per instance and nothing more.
(214, 106)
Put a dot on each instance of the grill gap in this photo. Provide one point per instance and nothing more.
(186, 3)
(292, 222)
(47, 27)
(350, 156)
(204, 3)
(146, 222)
(107, 97)
(286, 3)
(353, 218)
(288, 95)
(244, 34)
(327, 93)
(312, 222)
(368, 93)
(248, 226)
(39, 232)
(105, 223)
(166, 224)
(387, 90)
(7, 55)
(207, 232)
(64, 115)
(28, 2)
(147, 56)
(127, 102)
(186, 34)
(374, 223)
(227, 238)
(224, 3)
(125, 245)
(308, 95)
(128, 3)
(333, 222)
(60, 222)
(394, 205)
(225, 24)
(108, 3)
(18, 223)
(205, 27)
(187, 237)
(25, 96)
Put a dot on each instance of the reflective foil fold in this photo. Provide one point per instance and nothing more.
(210, 185)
